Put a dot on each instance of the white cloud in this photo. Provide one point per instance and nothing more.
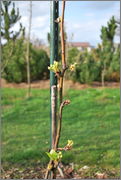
(40, 22)
(40, 17)
(38, 7)
(101, 5)
(87, 30)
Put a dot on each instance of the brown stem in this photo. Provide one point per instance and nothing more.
(59, 127)
(56, 142)
(66, 102)
(47, 174)
(60, 90)
(60, 171)
(61, 77)
(62, 36)
(48, 170)
(53, 175)
(51, 171)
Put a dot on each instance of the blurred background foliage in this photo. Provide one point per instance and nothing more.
(99, 64)
(15, 71)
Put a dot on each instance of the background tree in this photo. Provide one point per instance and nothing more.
(87, 69)
(118, 27)
(71, 59)
(101, 63)
(37, 42)
(15, 71)
(107, 49)
(9, 18)
(117, 17)
(28, 51)
(113, 73)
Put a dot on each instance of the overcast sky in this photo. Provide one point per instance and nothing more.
(82, 18)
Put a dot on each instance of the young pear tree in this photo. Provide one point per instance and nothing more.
(59, 69)
(106, 50)
(9, 17)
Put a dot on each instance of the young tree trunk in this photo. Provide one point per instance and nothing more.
(28, 52)
(103, 75)
(57, 131)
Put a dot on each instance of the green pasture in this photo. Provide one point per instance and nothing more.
(91, 121)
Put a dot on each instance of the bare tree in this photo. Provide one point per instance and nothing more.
(36, 41)
(117, 18)
(118, 27)
(28, 51)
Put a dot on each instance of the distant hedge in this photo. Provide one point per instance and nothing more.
(89, 66)
(15, 70)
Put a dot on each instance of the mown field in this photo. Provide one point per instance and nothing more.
(91, 121)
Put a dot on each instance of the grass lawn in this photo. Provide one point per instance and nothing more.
(91, 121)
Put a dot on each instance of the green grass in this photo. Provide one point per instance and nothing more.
(91, 121)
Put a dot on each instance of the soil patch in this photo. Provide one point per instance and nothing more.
(38, 172)
(45, 84)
